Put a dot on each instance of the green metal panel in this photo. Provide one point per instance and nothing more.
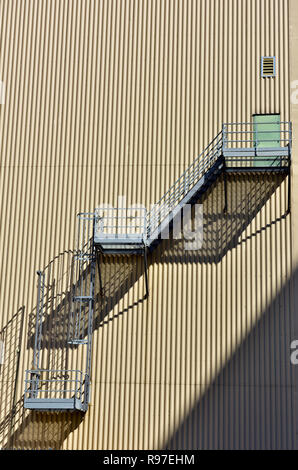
(266, 134)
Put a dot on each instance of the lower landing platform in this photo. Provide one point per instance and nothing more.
(54, 404)
(120, 246)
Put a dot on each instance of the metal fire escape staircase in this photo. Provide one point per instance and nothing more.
(235, 149)
(133, 230)
(68, 389)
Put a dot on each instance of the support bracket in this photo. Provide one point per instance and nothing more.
(146, 271)
(101, 290)
(225, 186)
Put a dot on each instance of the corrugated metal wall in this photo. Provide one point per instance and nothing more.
(107, 98)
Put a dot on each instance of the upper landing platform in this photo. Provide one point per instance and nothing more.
(255, 146)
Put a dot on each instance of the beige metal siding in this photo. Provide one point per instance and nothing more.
(107, 98)
(293, 30)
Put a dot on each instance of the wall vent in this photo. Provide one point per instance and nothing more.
(268, 66)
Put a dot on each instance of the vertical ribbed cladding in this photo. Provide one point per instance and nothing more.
(108, 98)
(293, 74)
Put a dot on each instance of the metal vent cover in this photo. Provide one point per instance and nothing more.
(268, 66)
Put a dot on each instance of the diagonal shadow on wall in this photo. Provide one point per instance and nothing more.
(250, 404)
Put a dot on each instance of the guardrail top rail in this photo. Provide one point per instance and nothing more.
(257, 144)
(248, 134)
(120, 222)
(49, 389)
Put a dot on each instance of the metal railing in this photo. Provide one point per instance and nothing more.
(128, 222)
(55, 384)
(233, 133)
(56, 387)
(39, 318)
(240, 144)
(184, 184)
(237, 145)
(250, 144)
(82, 295)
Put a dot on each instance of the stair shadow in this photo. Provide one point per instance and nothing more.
(18, 428)
(247, 194)
(38, 430)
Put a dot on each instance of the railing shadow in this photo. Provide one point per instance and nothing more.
(223, 230)
(34, 430)
(11, 335)
(247, 194)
